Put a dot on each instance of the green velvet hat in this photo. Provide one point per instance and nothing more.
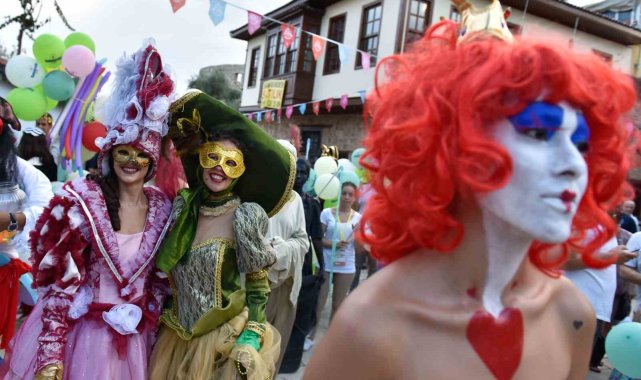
(270, 169)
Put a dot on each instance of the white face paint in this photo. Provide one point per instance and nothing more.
(549, 174)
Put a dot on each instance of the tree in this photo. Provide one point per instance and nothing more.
(216, 84)
(28, 20)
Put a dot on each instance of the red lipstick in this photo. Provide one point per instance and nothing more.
(567, 197)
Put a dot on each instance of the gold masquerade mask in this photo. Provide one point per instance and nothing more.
(124, 154)
(213, 154)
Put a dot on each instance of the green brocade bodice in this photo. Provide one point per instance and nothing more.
(206, 289)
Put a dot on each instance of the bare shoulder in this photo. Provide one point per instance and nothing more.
(359, 343)
(571, 303)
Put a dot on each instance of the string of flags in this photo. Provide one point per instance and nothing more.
(276, 115)
(289, 32)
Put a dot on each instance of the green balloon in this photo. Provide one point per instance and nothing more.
(623, 345)
(51, 104)
(58, 85)
(48, 50)
(27, 103)
(79, 38)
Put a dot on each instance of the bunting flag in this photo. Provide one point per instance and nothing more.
(318, 45)
(289, 111)
(216, 11)
(288, 33)
(279, 115)
(329, 103)
(316, 108)
(365, 61)
(362, 93)
(344, 101)
(268, 117)
(343, 53)
(302, 108)
(259, 116)
(177, 4)
(253, 22)
(250, 116)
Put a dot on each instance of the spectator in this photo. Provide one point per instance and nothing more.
(33, 148)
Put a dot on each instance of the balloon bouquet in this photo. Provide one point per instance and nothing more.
(61, 71)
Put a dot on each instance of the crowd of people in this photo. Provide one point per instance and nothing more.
(192, 250)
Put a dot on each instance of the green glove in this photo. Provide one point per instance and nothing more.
(249, 338)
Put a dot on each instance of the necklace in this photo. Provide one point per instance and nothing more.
(219, 210)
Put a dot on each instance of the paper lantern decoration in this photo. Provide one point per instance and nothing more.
(78, 61)
(90, 133)
(48, 50)
(325, 165)
(58, 85)
(24, 71)
(79, 38)
(623, 346)
(327, 186)
(27, 103)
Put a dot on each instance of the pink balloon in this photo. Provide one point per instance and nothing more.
(78, 61)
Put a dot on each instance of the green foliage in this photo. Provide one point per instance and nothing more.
(215, 84)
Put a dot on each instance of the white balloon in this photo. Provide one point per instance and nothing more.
(327, 186)
(325, 165)
(24, 72)
(346, 165)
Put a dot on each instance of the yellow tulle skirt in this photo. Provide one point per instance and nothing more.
(214, 355)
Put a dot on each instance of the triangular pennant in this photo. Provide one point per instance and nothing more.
(279, 113)
(288, 34)
(343, 53)
(253, 22)
(268, 117)
(302, 108)
(316, 108)
(217, 11)
(259, 116)
(362, 93)
(250, 116)
(289, 111)
(318, 45)
(329, 103)
(344, 101)
(177, 4)
(365, 61)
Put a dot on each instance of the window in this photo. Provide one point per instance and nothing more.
(253, 67)
(454, 14)
(271, 55)
(417, 19)
(370, 31)
(279, 60)
(620, 16)
(337, 33)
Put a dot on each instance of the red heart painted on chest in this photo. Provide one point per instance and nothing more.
(498, 341)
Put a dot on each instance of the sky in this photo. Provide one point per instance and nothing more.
(187, 40)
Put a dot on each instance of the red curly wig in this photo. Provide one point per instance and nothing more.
(428, 142)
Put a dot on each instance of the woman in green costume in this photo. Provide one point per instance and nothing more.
(238, 175)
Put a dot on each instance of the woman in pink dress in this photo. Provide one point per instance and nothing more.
(94, 247)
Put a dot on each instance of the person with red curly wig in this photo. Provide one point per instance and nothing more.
(490, 159)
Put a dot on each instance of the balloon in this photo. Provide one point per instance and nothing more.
(325, 165)
(78, 61)
(308, 187)
(90, 132)
(48, 50)
(329, 203)
(51, 104)
(350, 176)
(346, 164)
(623, 346)
(27, 103)
(24, 71)
(327, 186)
(79, 38)
(58, 85)
(356, 155)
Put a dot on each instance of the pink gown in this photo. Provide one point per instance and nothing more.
(82, 330)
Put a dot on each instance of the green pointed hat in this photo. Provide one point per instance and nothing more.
(270, 169)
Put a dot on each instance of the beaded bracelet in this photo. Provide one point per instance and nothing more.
(261, 274)
(258, 328)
